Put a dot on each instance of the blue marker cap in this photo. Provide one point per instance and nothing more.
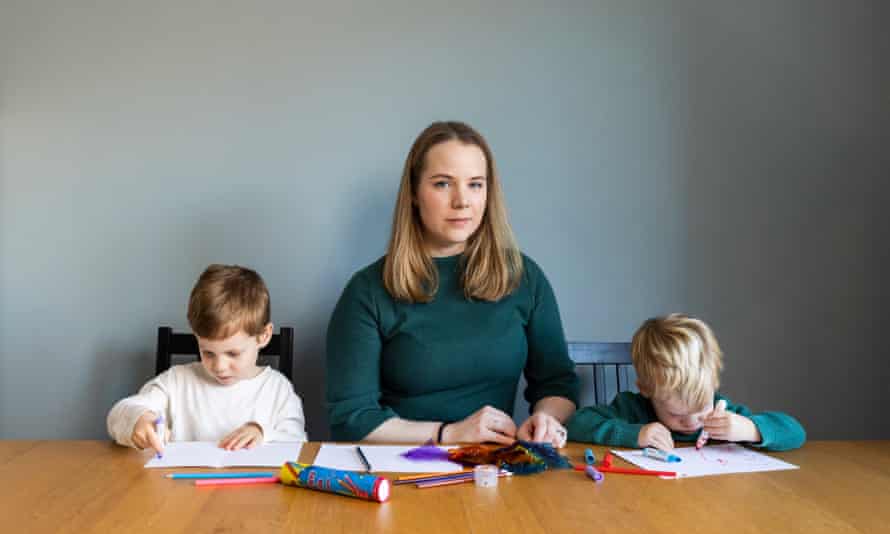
(589, 457)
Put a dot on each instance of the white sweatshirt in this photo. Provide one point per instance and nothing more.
(197, 408)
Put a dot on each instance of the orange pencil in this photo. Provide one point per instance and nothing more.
(236, 481)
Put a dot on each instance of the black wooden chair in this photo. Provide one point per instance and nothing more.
(611, 369)
(280, 347)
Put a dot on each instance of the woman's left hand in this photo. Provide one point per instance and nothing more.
(543, 428)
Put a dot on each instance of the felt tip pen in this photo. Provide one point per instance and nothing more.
(159, 430)
(704, 436)
(589, 457)
(593, 473)
(652, 452)
(363, 458)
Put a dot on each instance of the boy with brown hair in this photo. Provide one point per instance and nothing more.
(225, 397)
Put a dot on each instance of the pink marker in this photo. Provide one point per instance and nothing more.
(704, 436)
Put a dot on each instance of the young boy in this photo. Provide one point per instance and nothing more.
(678, 363)
(225, 397)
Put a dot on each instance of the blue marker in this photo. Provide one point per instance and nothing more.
(589, 458)
(651, 452)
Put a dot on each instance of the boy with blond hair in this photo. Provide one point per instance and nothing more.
(678, 363)
(225, 397)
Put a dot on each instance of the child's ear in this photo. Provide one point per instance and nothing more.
(265, 336)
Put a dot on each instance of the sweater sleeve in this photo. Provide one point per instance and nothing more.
(154, 397)
(549, 371)
(354, 348)
(617, 424)
(284, 419)
(778, 431)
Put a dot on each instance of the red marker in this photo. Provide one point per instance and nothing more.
(628, 471)
(704, 436)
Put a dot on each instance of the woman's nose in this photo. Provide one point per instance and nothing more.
(459, 198)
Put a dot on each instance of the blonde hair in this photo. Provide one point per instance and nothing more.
(677, 355)
(227, 299)
(491, 262)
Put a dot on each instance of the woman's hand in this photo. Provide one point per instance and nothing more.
(248, 435)
(542, 427)
(145, 435)
(486, 424)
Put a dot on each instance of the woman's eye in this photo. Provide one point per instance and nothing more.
(440, 185)
(477, 185)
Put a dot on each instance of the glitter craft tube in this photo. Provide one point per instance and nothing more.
(349, 483)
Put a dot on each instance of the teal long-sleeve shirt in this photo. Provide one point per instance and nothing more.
(441, 360)
(619, 424)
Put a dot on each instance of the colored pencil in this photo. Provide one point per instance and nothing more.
(363, 458)
(258, 474)
(432, 475)
(237, 481)
(461, 480)
(432, 478)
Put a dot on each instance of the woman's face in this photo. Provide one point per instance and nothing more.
(451, 195)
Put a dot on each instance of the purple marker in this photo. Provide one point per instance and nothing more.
(594, 474)
(159, 430)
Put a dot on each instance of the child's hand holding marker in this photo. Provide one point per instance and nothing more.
(655, 435)
(248, 435)
(704, 436)
(729, 426)
(150, 431)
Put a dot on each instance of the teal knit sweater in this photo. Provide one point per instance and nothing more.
(619, 424)
(441, 360)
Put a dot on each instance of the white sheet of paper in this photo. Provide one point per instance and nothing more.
(383, 458)
(207, 454)
(710, 460)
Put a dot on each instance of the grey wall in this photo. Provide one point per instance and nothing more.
(721, 158)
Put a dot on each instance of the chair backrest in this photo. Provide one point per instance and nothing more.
(611, 369)
(170, 343)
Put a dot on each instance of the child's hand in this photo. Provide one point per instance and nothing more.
(248, 435)
(655, 435)
(144, 434)
(730, 426)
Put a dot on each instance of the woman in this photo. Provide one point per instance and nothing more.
(429, 341)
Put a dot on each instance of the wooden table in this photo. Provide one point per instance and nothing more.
(96, 486)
